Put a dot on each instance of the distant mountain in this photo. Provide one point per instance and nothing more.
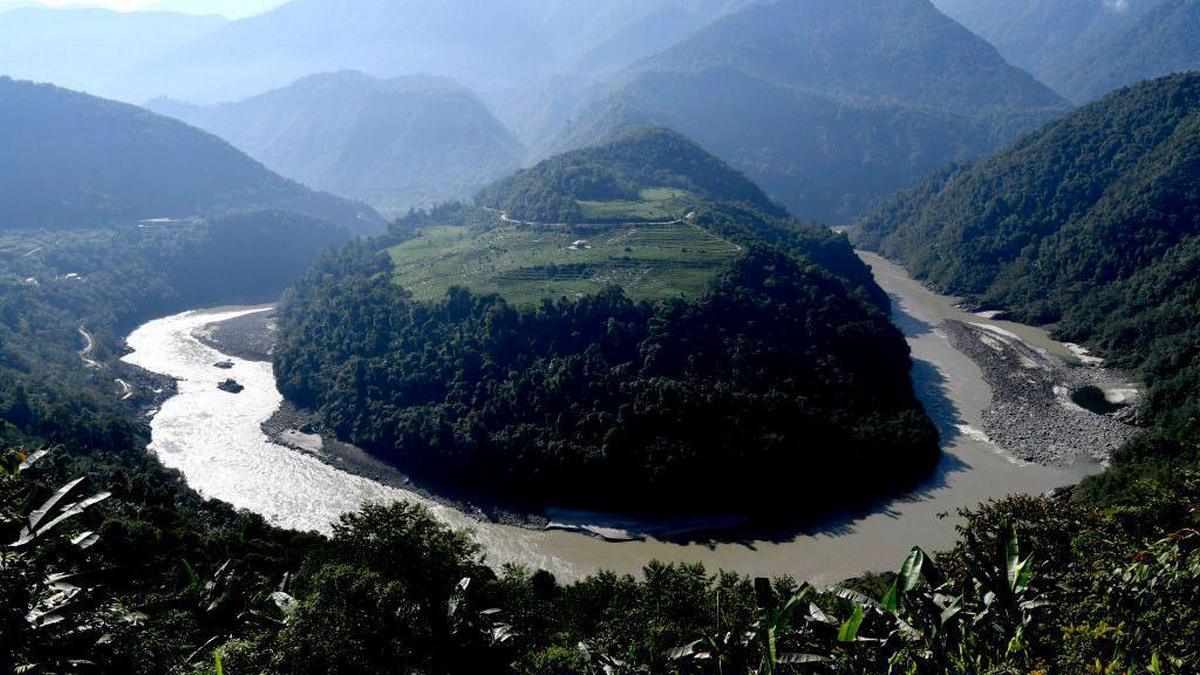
(1164, 39)
(1092, 223)
(1086, 48)
(73, 160)
(234, 9)
(593, 41)
(495, 47)
(645, 159)
(828, 104)
(395, 144)
(472, 41)
(91, 49)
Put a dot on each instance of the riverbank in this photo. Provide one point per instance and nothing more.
(217, 442)
(252, 336)
(1033, 414)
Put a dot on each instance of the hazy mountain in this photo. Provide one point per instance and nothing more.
(1164, 39)
(593, 42)
(827, 104)
(73, 160)
(90, 49)
(1092, 222)
(1086, 48)
(472, 41)
(394, 144)
(234, 9)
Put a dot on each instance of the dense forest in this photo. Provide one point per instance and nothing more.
(557, 404)
(1092, 224)
(781, 391)
(153, 579)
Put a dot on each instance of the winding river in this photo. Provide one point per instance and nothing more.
(215, 440)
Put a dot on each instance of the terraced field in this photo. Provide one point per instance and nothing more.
(526, 263)
(656, 204)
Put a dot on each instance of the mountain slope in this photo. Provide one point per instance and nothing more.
(1087, 48)
(395, 144)
(72, 160)
(787, 92)
(91, 49)
(1092, 222)
(1162, 40)
(542, 363)
(645, 159)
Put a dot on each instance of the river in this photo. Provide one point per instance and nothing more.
(215, 440)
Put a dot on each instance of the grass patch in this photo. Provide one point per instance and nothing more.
(528, 264)
(656, 204)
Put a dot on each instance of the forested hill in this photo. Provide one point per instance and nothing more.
(829, 105)
(395, 144)
(620, 170)
(73, 160)
(667, 343)
(1093, 223)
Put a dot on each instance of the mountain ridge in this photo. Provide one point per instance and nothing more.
(398, 143)
(59, 170)
(777, 63)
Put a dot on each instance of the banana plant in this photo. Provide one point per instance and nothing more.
(59, 600)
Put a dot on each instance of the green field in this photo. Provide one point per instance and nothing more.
(526, 264)
(656, 204)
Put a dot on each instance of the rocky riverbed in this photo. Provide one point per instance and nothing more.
(250, 337)
(1034, 413)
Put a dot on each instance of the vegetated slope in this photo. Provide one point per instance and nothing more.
(1164, 39)
(91, 49)
(1087, 48)
(552, 191)
(651, 212)
(781, 352)
(395, 144)
(1092, 223)
(73, 160)
(829, 105)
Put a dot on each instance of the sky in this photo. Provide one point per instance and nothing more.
(231, 8)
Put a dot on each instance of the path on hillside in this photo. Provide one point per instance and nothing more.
(689, 220)
(89, 344)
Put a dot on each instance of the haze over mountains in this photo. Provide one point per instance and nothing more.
(73, 160)
(395, 144)
(845, 101)
(1086, 48)
(489, 45)
(91, 49)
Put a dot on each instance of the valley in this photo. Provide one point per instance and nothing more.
(604, 337)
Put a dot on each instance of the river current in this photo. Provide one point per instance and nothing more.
(215, 439)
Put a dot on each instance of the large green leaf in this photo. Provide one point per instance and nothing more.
(849, 630)
(910, 571)
(1012, 556)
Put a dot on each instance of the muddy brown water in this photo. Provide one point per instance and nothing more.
(215, 440)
